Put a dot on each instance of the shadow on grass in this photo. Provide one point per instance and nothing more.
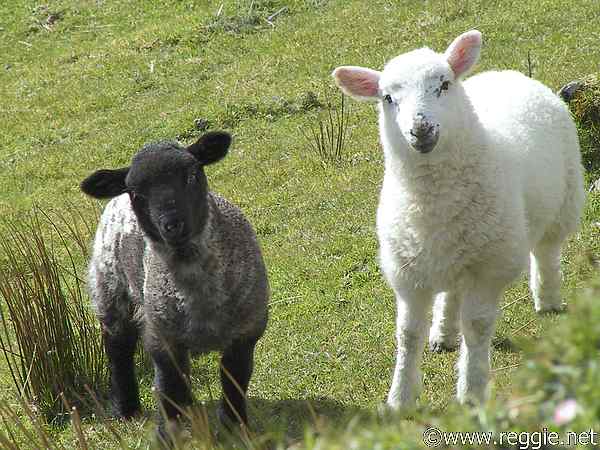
(271, 422)
(289, 418)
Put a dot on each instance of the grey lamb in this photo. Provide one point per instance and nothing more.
(180, 267)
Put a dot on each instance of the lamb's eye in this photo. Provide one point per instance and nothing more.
(445, 85)
(388, 98)
(135, 197)
(194, 178)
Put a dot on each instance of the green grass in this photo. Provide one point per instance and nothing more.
(87, 88)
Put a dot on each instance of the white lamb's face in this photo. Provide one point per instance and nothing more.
(415, 89)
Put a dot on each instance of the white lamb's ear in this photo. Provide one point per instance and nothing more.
(358, 82)
(463, 53)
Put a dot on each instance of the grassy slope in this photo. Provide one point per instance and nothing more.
(111, 76)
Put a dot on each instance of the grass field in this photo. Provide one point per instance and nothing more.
(83, 84)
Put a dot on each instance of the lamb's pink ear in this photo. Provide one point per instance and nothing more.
(463, 53)
(358, 82)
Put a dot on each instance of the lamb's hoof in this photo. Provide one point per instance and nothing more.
(469, 401)
(397, 412)
(397, 409)
(229, 420)
(384, 410)
(163, 439)
(127, 412)
(551, 310)
(168, 434)
(442, 346)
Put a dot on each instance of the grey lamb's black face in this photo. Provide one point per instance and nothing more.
(167, 186)
(168, 191)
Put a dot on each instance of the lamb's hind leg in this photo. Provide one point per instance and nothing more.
(443, 335)
(411, 331)
(545, 277)
(236, 368)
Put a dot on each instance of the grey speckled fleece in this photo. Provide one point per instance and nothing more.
(202, 297)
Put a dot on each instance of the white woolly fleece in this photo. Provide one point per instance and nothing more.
(480, 176)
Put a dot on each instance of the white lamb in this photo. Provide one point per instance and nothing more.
(479, 175)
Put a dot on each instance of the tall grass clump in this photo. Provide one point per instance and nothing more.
(327, 138)
(49, 337)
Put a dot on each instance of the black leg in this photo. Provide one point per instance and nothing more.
(237, 363)
(171, 381)
(120, 349)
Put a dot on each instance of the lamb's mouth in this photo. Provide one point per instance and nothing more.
(423, 148)
(425, 145)
(180, 242)
(185, 252)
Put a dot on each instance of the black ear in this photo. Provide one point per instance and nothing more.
(211, 147)
(105, 183)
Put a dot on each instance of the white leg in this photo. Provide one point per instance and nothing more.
(410, 334)
(478, 319)
(443, 335)
(544, 277)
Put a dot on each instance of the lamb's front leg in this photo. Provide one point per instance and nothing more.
(411, 330)
(479, 310)
(443, 335)
(236, 369)
(172, 387)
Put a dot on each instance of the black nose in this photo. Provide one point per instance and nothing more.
(423, 136)
(422, 130)
(171, 227)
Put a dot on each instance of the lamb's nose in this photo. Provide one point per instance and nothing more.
(422, 131)
(423, 135)
(421, 128)
(171, 227)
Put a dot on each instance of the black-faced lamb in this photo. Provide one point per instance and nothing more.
(181, 267)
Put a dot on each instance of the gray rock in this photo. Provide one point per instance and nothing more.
(568, 90)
